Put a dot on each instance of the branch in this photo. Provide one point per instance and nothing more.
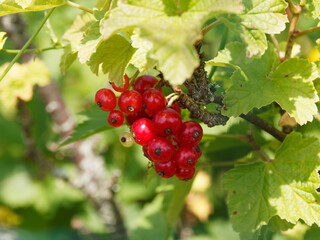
(304, 32)
(35, 50)
(75, 5)
(259, 122)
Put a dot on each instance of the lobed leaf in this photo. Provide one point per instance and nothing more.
(9, 6)
(259, 17)
(259, 82)
(285, 187)
(157, 22)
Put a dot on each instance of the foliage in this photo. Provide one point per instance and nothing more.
(256, 64)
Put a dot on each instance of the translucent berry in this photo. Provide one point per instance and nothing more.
(154, 101)
(190, 133)
(130, 102)
(115, 118)
(134, 117)
(126, 139)
(198, 151)
(106, 99)
(160, 149)
(185, 174)
(144, 82)
(185, 158)
(143, 131)
(146, 153)
(167, 122)
(175, 106)
(124, 87)
(165, 170)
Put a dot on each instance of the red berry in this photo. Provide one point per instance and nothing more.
(134, 117)
(185, 158)
(130, 102)
(185, 174)
(165, 170)
(167, 122)
(190, 133)
(124, 87)
(198, 151)
(175, 106)
(146, 153)
(144, 82)
(154, 101)
(160, 149)
(106, 99)
(143, 131)
(115, 118)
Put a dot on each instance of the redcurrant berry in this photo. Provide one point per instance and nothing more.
(160, 149)
(126, 139)
(190, 133)
(185, 174)
(146, 153)
(143, 131)
(154, 101)
(134, 117)
(175, 106)
(144, 82)
(185, 158)
(165, 170)
(115, 118)
(167, 122)
(124, 87)
(106, 99)
(198, 151)
(130, 102)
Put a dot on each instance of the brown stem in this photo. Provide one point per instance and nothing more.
(250, 117)
(304, 32)
(295, 10)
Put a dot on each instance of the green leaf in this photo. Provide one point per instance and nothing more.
(258, 82)
(96, 122)
(79, 27)
(2, 39)
(19, 82)
(113, 55)
(313, 7)
(67, 59)
(157, 22)
(9, 6)
(259, 17)
(285, 187)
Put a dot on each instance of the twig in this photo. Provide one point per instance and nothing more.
(36, 50)
(75, 5)
(304, 32)
(26, 45)
(295, 10)
(210, 26)
(259, 122)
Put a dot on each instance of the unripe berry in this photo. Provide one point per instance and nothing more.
(185, 158)
(190, 133)
(106, 99)
(165, 170)
(130, 102)
(160, 149)
(144, 82)
(143, 131)
(167, 122)
(126, 139)
(115, 118)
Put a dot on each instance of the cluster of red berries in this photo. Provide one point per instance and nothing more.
(168, 142)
